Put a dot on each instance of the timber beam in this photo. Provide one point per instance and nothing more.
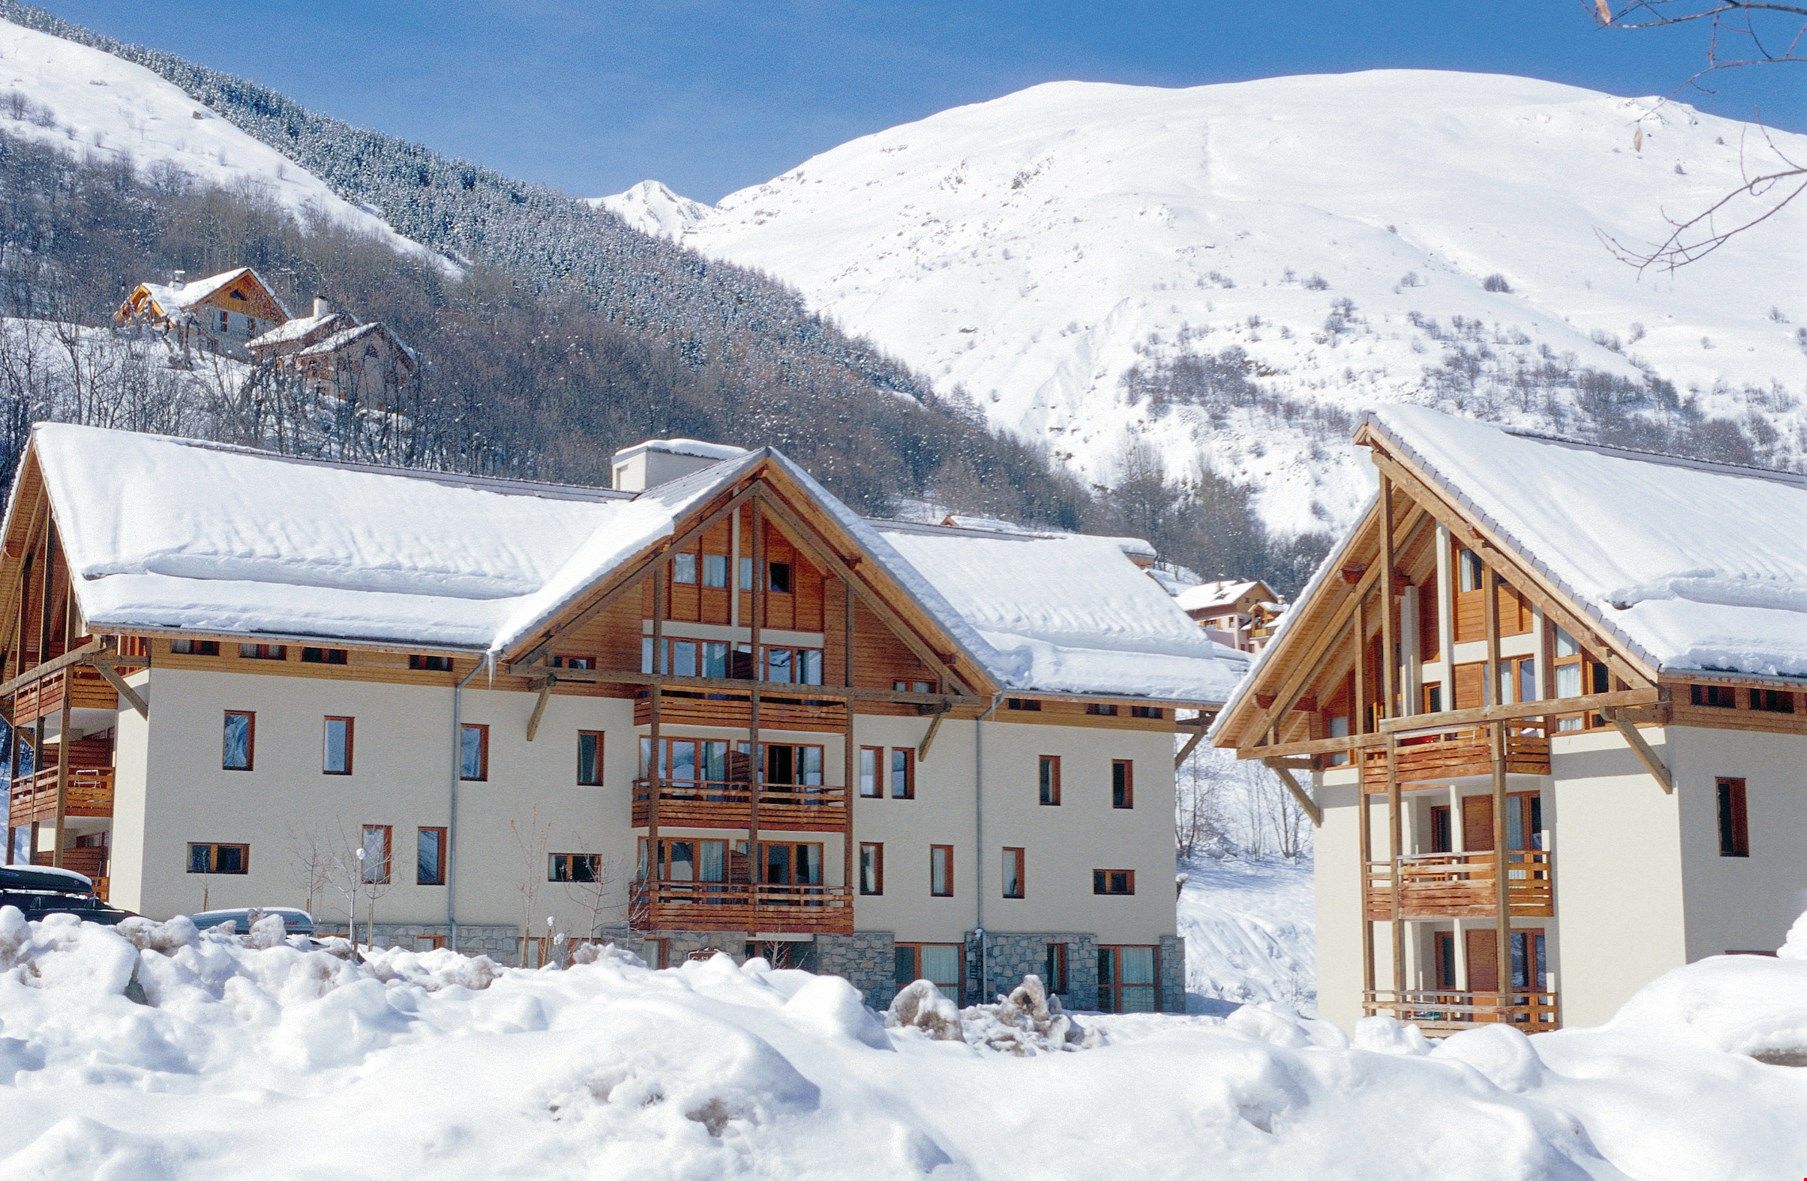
(1285, 775)
(1653, 762)
(39, 672)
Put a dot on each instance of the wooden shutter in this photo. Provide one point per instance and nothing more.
(1483, 965)
(1470, 686)
(1477, 823)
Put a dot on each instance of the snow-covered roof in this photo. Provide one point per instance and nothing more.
(1135, 547)
(1208, 595)
(299, 328)
(173, 298)
(1694, 566)
(693, 447)
(1066, 613)
(356, 332)
(246, 542)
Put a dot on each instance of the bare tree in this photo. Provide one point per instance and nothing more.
(1740, 34)
(311, 862)
(534, 844)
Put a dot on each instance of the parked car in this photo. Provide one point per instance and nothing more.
(294, 920)
(42, 890)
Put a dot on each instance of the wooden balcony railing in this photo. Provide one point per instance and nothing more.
(1439, 756)
(1461, 885)
(741, 906)
(1440, 1012)
(34, 796)
(44, 696)
(734, 711)
(729, 804)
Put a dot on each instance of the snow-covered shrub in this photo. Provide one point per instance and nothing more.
(1028, 1021)
(1496, 282)
(920, 1005)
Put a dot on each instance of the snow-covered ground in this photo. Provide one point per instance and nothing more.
(90, 103)
(157, 1051)
(1035, 248)
(1248, 927)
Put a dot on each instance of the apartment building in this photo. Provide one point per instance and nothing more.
(711, 709)
(1551, 703)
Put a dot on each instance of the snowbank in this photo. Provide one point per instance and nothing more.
(156, 1050)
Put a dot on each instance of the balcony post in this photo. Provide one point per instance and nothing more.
(62, 772)
(756, 756)
(1501, 899)
(847, 753)
(1366, 838)
(655, 769)
(1395, 841)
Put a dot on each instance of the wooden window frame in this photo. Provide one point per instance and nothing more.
(1104, 879)
(1713, 696)
(582, 771)
(570, 861)
(250, 716)
(1148, 712)
(915, 949)
(1099, 709)
(946, 851)
(440, 836)
(427, 662)
(314, 654)
(877, 851)
(388, 866)
(184, 646)
(1014, 858)
(351, 731)
(1123, 796)
(795, 861)
(717, 561)
(689, 558)
(1047, 780)
(771, 578)
(909, 773)
(213, 850)
(1111, 991)
(1031, 705)
(878, 772)
(1732, 808)
(1773, 701)
(482, 729)
(263, 651)
(574, 660)
(1056, 969)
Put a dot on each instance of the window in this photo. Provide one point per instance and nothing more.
(473, 752)
(792, 764)
(1441, 833)
(1530, 969)
(263, 651)
(692, 761)
(225, 321)
(792, 863)
(1054, 969)
(421, 663)
(941, 964)
(429, 857)
(903, 773)
(240, 740)
(872, 776)
(1099, 710)
(566, 660)
(1734, 819)
(1031, 705)
(715, 571)
(778, 577)
(1714, 696)
(1123, 784)
(195, 647)
(1433, 698)
(585, 868)
(336, 758)
(1113, 881)
(941, 871)
(1469, 571)
(683, 569)
(214, 858)
(1013, 873)
(374, 865)
(323, 656)
(589, 758)
(1049, 776)
(872, 868)
(746, 574)
(912, 686)
(1147, 711)
(1126, 979)
(1773, 701)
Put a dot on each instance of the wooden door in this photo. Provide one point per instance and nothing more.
(1477, 823)
(1483, 963)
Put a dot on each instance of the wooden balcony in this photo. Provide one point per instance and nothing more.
(44, 696)
(1438, 757)
(1440, 1013)
(734, 711)
(741, 906)
(693, 804)
(34, 796)
(1461, 885)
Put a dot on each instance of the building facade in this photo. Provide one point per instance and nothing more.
(717, 713)
(1581, 765)
(222, 313)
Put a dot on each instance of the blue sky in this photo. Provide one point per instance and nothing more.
(592, 95)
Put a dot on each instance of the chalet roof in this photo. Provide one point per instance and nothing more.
(1135, 547)
(300, 327)
(1693, 566)
(1209, 595)
(351, 335)
(173, 298)
(247, 542)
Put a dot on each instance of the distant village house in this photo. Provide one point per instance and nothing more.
(219, 314)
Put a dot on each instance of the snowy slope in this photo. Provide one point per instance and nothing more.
(1249, 927)
(1034, 248)
(281, 1061)
(91, 103)
(652, 208)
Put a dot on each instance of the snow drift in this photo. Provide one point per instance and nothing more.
(156, 1050)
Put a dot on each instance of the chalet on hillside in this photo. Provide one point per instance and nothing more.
(1552, 698)
(221, 313)
(336, 356)
(1240, 614)
(709, 709)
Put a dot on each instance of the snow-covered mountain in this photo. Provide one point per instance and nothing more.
(90, 103)
(652, 208)
(1312, 245)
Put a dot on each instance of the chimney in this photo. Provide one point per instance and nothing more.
(177, 278)
(660, 461)
(322, 306)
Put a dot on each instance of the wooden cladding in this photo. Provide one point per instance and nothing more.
(709, 582)
(84, 686)
(1460, 885)
(1457, 753)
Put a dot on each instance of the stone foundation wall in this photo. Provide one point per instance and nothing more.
(501, 943)
(866, 959)
(1011, 955)
(1173, 974)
